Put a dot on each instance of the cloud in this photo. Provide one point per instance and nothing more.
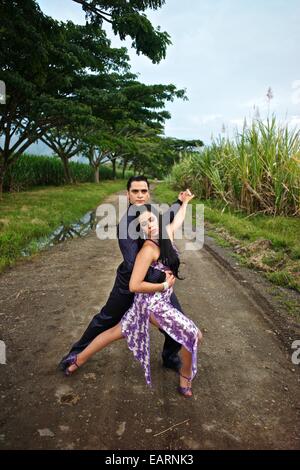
(202, 120)
(295, 97)
(294, 121)
(237, 122)
(260, 102)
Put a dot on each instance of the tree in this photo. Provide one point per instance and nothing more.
(127, 18)
(65, 143)
(128, 111)
(96, 155)
(44, 65)
(184, 145)
(61, 77)
(23, 69)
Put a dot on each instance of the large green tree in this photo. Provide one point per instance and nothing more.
(64, 79)
(44, 65)
(65, 142)
(126, 110)
(127, 18)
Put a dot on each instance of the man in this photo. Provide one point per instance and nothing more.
(121, 299)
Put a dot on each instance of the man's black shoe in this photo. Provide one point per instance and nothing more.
(174, 363)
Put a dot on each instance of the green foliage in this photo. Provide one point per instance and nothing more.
(33, 170)
(28, 216)
(282, 231)
(67, 87)
(127, 18)
(45, 66)
(257, 172)
(282, 278)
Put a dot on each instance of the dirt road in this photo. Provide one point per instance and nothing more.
(245, 394)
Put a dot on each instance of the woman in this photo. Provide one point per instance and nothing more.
(152, 302)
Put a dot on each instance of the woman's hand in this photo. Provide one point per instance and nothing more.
(187, 196)
(170, 278)
(181, 196)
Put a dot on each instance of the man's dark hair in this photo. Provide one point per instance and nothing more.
(136, 178)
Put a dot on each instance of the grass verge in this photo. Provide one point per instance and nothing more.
(29, 215)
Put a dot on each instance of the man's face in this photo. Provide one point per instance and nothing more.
(138, 193)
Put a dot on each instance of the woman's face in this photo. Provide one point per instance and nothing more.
(149, 224)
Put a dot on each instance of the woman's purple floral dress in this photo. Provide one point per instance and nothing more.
(135, 325)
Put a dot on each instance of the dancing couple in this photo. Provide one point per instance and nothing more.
(143, 292)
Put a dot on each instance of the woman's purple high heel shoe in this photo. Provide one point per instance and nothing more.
(186, 391)
(72, 360)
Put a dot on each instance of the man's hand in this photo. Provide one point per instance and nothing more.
(170, 278)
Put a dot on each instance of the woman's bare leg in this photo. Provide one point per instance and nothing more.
(100, 342)
(186, 369)
(186, 358)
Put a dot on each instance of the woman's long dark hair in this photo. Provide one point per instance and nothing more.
(168, 255)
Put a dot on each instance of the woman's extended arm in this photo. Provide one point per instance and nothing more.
(144, 258)
(180, 216)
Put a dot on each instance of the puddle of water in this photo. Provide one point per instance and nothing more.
(78, 229)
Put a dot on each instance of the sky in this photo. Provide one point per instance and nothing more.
(226, 54)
